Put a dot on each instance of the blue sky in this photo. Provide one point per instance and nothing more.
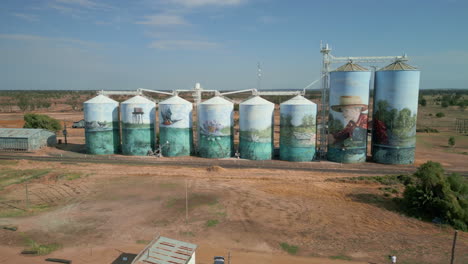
(171, 44)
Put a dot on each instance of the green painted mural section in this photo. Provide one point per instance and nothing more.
(297, 143)
(180, 141)
(348, 155)
(388, 155)
(137, 139)
(297, 153)
(216, 146)
(394, 134)
(102, 142)
(256, 144)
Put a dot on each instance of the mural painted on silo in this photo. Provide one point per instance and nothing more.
(175, 127)
(215, 126)
(138, 135)
(347, 125)
(298, 130)
(101, 126)
(395, 114)
(256, 129)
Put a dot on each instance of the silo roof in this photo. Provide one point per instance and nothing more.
(19, 132)
(298, 100)
(138, 99)
(350, 67)
(217, 100)
(398, 66)
(175, 100)
(256, 100)
(101, 99)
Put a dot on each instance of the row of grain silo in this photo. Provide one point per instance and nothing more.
(396, 88)
(395, 105)
(215, 127)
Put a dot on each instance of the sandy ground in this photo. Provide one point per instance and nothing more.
(115, 208)
(111, 207)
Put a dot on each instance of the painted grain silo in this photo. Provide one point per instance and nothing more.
(298, 129)
(395, 114)
(101, 116)
(215, 128)
(175, 127)
(138, 118)
(256, 129)
(347, 125)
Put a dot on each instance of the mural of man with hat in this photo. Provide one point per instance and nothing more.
(355, 121)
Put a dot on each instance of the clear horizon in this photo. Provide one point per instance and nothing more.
(172, 44)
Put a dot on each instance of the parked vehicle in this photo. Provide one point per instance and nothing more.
(218, 260)
(79, 124)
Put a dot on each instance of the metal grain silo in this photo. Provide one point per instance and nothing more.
(175, 127)
(298, 129)
(395, 114)
(347, 125)
(256, 129)
(101, 116)
(138, 117)
(215, 128)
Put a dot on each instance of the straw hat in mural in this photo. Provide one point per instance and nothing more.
(349, 101)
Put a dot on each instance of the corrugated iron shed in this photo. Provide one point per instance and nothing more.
(25, 139)
(165, 250)
(19, 132)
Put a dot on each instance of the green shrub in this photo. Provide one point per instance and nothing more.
(41, 121)
(435, 195)
(451, 141)
(291, 249)
(440, 114)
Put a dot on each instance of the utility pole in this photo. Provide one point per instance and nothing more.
(453, 246)
(65, 132)
(27, 192)
(186, 201)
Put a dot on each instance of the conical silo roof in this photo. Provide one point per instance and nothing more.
(298, 100)
(217, 100)
(138, 100)
(101, 99)
(256, 100)
(175, 100)
(398, 66)
(350, 67)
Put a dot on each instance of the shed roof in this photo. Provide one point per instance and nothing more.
(350, 67)
(398, 66)
(21, 132)
(163, 250)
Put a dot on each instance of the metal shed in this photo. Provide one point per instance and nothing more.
(163, 250)
(25, 139)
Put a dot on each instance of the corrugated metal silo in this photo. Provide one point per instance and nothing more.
(298, 129)
(395, 114)
(256, 129)
(101, 115)
(175, 127)
(138, 117)
(215, 128)
(347, 125)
